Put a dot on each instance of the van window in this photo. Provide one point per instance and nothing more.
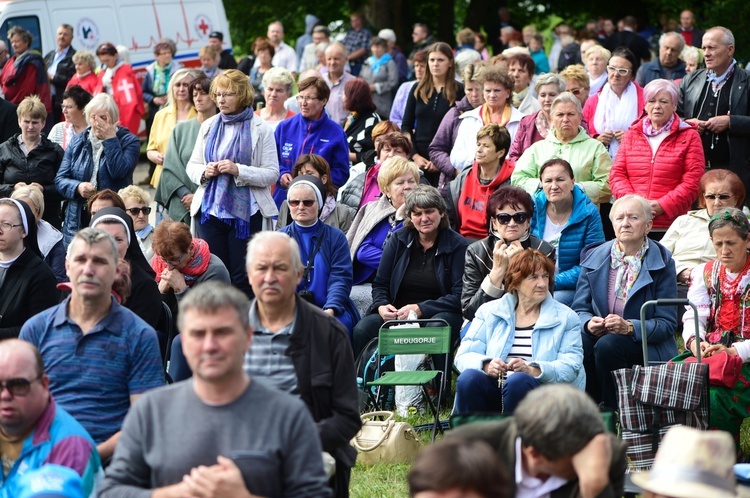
(29, 23)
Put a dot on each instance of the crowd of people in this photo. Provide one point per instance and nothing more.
(534, 210)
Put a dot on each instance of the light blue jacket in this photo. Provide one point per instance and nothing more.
(556, 347)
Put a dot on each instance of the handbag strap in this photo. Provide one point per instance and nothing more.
(389, 423)
(387, 414)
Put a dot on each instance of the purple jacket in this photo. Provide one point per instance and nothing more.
(440, 148)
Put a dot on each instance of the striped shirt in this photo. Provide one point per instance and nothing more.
(522, 343)
(267, 358)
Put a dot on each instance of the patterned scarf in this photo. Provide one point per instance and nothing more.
(161, 79)
(648, 128)
(717, 82)
(628, 268)
(518, 97)
(352, 117)
(233, 202)
(196, 267)
(542, 125)
(328, 207)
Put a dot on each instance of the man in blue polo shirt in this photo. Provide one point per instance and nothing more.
(100, 356)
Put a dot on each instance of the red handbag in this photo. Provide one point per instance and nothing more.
(723, 368)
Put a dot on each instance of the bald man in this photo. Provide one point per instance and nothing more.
(35, 431)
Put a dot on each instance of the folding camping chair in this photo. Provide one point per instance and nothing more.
(414, 340)
(651, 399)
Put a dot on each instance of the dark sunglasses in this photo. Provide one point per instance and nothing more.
(134, 211)
(713, 197)
(519, 217)
(307, 202)
(18, 387)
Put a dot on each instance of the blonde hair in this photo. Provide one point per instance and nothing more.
(134, 192)
(33, 107)
(234, 81)
(394, 167)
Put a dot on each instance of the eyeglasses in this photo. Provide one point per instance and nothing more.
(225, 95)
(134, 211)
(301, 98)
(175, 262)
(519, 217)
(622, 71)
(713, 197)
(5, 227)
(17, 387)
(305, 202)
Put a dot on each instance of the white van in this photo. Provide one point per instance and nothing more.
(135, 24)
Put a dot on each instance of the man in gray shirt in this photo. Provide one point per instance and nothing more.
(221, 433)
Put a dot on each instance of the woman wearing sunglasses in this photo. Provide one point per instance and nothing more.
(687, 237)
(137, 206)
(508, 216)
(611, 111)
(566, 218)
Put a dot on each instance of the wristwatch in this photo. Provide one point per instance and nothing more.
(631, 328)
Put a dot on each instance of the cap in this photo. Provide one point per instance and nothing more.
(216, 34)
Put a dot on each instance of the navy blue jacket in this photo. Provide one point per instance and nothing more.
(449, 265)
(116, 166)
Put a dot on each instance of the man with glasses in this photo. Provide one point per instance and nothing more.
(34, 430)
(223, 434)
(100, 356)
(311, 132)
(715, 100)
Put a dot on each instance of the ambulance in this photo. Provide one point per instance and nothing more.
(135, 24)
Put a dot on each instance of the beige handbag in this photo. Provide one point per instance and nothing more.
(386, 441)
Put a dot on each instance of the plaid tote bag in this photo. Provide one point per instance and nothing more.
(652, 399)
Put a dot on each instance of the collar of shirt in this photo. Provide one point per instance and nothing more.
(533, 487)
(258, 328)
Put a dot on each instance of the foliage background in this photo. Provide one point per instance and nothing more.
(444, 17)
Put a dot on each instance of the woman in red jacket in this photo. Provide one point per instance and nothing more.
(660, 158)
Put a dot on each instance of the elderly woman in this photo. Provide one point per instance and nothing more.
(508, 218)
(568, 140)
(420, 270)
(719, 289)
(521, 68)
(497, 86)
(85, 76)
(48, 238)
(526, 333)
(617, 277)
(595, 60)
(611, 111)
(74, 101)
(144, 299)
(156, 81)
(29, 158)
(428, 101)
(470, 191)
(235, 163)
(264, 52)
(693, 58)
(278, 83)
(377, 220)
(442, 144)
(660, 158)
(179, 108)
(333, 213)
(28, 285)
(565, 217)
(536, 127)
(577, 82)
(181, 261)
(118, 80)
(137, 206)
(327, 277)
(102, 156)
(209, 61)
(24, 73)
(381, 74)
(362, 118)
(175, 189)
(688, 238)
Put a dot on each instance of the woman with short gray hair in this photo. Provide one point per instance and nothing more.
(103, 156)
(85, 76)
(536, 126)
(616, 278)
(277, 85)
